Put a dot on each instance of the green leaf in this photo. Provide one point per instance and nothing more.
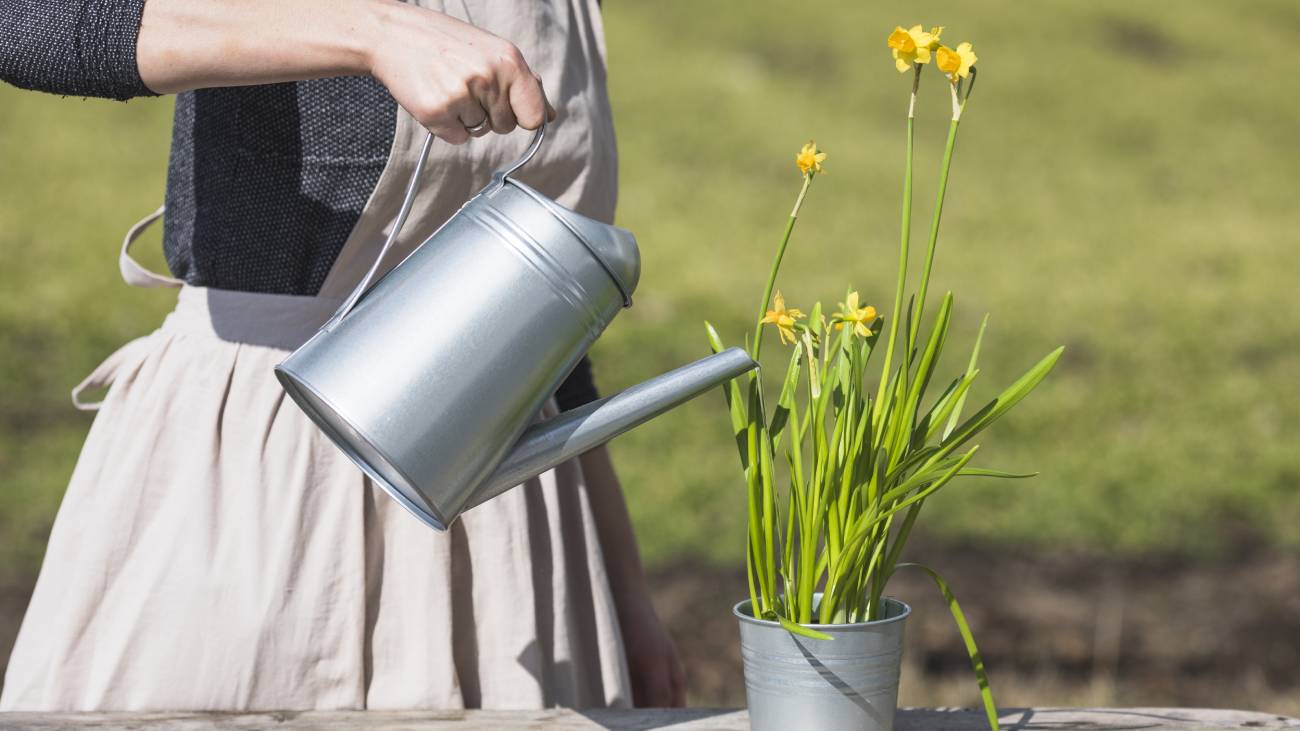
(924, 483)
(930, 358)
(785, 403)
(978, 472)
(976, 660)
(993, 410)
(814, 379)
(799, 629)
(948, 405)
(916, 457)
(735, 404)
(970, 370)
(900, 539)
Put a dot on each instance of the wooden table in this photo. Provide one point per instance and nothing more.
(693, 719)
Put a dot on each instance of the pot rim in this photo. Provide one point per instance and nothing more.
(751, 619)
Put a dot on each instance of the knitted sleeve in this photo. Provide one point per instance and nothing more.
(72, 47)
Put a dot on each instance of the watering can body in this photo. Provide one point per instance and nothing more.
(431, 379)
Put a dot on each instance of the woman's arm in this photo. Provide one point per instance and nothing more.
(658, 679)
(448, 74)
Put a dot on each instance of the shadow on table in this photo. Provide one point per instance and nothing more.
(692, 719)
(1031, 719)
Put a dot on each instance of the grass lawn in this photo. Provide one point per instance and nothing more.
(1124, 185)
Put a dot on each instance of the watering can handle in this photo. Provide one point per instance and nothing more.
(411, 188)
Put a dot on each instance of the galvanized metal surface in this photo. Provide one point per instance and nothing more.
(568, 435)
(847, 683)
(660, 719)
(427, 380)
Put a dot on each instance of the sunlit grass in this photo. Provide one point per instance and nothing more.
(1133, 200)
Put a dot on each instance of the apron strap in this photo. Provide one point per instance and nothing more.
(137, 276)
(132, 272)
(104, 375)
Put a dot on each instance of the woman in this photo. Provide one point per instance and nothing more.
(213, 550)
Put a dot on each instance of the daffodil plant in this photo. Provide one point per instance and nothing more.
(828, 526)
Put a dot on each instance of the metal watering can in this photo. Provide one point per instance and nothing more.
(431, 380)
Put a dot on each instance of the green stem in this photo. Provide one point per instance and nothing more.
(754, 479)
(903, 244)
(938, 214)
(757, 346)
(749, 575)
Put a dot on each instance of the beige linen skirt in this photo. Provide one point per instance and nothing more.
(215, 551)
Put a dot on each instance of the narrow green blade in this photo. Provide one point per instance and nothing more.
(799, 629)
(976, 660)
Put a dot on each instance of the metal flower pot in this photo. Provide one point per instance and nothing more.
(850, 682)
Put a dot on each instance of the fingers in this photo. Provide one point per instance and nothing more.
(452, 133)
(529, 101)
(480, 126)
(501, 115)
(508, 95)
(451, 122)
(523, 88)
(486, 82)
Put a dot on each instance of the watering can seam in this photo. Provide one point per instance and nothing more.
(541, 261)
(848, 660)
(551, 206)
(820, 687)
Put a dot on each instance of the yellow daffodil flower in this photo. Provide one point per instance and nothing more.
(861, 318)
(935, 32)
(783, 318)
(910, 46)
(810, 159)
(956, 64)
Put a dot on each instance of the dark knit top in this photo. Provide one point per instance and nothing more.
(264, 182)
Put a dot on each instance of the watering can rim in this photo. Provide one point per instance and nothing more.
(563, 215)
(295, 385)
(498, 181)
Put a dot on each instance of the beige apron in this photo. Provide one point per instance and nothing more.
(215, 551)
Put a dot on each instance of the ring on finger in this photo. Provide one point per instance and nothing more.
(478, 128)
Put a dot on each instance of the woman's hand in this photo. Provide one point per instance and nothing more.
(452, 76)
(658, 680)
(448, 74)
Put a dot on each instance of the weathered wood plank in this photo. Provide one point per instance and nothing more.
(1090, 719)
(692, 719)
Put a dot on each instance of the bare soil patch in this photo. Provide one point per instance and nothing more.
(1054, 629)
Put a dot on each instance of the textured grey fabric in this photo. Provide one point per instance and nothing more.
(579, 388)
(72, 47)
(264, 182)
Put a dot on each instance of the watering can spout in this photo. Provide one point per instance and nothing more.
(551, 442)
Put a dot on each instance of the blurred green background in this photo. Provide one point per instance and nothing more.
(1124, 185)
